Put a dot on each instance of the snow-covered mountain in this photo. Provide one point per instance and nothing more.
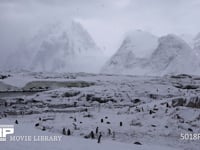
(133, 53)
(188, 38)
(196, 44)
(172, 56)
(58, 47)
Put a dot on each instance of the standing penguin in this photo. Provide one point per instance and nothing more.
(99, 138)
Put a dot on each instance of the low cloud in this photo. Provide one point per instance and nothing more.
(106, 20)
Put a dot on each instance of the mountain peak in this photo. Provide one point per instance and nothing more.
(135, 49)
(59, 47)
(171, 56)
(170, 52)
(140, 43)
(172, 39)
(197, 43)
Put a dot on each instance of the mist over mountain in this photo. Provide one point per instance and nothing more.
(172, 55)
(136, 48)
(58, 47)
(68, 47)
(196, 43)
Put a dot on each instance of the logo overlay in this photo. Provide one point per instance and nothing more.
(6, 130)
(190, 136)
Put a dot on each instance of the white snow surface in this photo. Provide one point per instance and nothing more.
(67, 143)
(66, 100)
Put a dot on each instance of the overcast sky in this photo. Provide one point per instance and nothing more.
(106, 20)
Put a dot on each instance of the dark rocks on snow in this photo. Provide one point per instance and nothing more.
(136, 100)
(37, 124)
(194, 102)
(178, 102)
(137, 143)
(71, 93)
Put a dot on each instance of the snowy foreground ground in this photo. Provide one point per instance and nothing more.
(152, 111)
